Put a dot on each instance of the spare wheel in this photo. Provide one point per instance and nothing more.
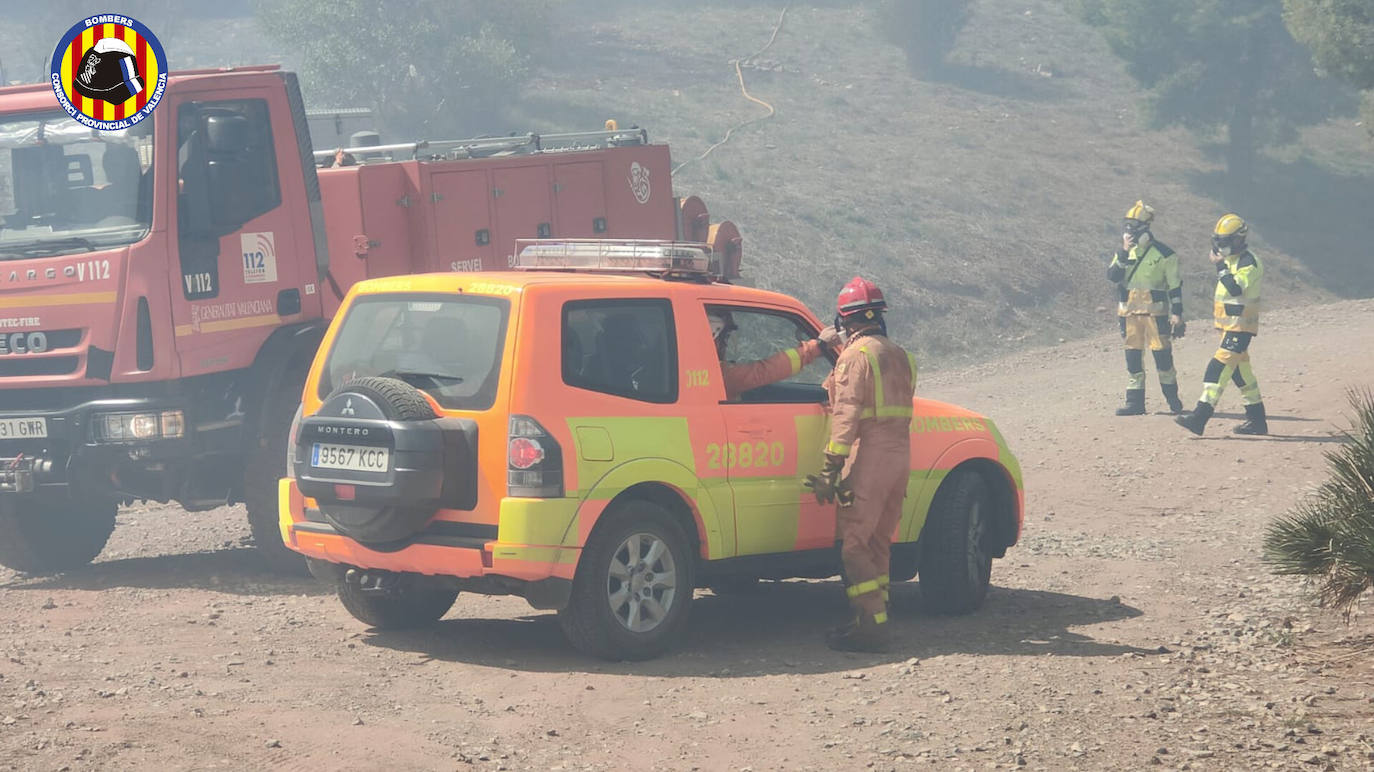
(381, 463)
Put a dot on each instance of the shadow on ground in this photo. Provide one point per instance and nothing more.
(238, 571)
(998, 82)
(1271, 437)
(1318, 215)
(779, 628)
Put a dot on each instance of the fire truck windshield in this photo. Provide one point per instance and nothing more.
(68, 188)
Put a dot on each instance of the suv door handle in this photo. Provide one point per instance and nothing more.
(755, 430)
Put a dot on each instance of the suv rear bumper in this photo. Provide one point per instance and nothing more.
(444, 548)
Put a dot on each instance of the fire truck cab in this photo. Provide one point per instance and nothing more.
(163, 288)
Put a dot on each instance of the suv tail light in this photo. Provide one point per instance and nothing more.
(291, 442)
(534, 461)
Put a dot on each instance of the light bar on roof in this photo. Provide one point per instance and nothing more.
(613, 256)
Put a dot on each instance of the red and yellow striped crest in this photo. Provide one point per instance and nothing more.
(110, 69)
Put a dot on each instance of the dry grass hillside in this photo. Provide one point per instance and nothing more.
(984, 203)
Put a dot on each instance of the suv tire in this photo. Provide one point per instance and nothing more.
(398, 399)
(401, 607)
(633, 587)
(955, 564)
(48, 535)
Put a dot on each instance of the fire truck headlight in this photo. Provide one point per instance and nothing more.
(134, 427)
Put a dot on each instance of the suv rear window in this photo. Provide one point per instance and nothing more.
(449, 346)
(623, 347)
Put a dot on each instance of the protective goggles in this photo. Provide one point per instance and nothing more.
(1225, 244)
(1136, 227)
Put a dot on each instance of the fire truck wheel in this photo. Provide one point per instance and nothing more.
(47, 535)
(633, 586)
(401, 606)
(955, 563)
(264, 465)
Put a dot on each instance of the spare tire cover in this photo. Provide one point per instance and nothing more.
(394, 518)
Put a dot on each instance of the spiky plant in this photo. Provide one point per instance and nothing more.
(1329, 536)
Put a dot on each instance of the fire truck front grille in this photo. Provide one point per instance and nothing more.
(13, 367)
(58, 339)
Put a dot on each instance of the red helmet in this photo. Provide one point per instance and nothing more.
(858, 296)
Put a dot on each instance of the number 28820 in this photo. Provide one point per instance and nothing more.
(745, 455)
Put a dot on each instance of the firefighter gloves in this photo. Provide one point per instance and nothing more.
(827, 485)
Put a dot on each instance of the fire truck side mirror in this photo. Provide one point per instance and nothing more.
(226, 133)
(193, 199)
(216, 194)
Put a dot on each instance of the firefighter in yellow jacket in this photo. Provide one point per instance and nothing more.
(1236, 308)
(1150, 307)
(871, 392)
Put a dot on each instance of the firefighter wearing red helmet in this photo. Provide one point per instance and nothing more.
(871, 391)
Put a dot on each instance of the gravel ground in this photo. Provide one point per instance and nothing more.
(1134, 626)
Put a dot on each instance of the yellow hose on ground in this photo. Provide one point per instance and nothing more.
(739, 75)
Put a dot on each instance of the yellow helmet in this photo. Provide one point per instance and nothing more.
(1228, 238)
(1140, 211)
(1138, 218)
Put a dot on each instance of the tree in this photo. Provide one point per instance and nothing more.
(1340, 34)
(1216, 63)
(423, 65)
(1330, 536)
(925, 29)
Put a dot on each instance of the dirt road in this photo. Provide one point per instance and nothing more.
(1134, 625)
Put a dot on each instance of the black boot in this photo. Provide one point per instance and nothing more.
(1255, 422)
(1135, 403)
(864, 634)
(1171, 396)
(1196, 421)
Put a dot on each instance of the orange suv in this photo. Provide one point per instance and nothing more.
(561, 432)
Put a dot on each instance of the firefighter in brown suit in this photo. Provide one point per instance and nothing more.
(871, 393)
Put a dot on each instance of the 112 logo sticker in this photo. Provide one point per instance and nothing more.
(259, 258)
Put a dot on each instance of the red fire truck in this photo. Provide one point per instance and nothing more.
(163, 288)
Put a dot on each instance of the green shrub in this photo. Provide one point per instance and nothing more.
(1330, 535)
(428, 67)
(925, 29)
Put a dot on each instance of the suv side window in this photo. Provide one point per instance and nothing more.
(623, 347)
(759, 334)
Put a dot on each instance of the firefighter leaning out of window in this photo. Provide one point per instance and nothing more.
(870, 390)
(1150, 307)
(740, 377)
(1236, 308)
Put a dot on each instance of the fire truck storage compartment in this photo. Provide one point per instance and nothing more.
(387, 224)
(368, 201)
(521, 197)
(414, 216)
(580, 197)
(462, 219)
